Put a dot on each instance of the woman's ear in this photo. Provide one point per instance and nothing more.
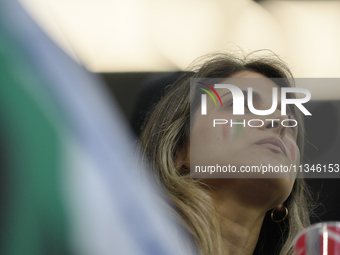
(182, 161)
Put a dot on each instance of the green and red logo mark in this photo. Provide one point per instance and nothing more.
(212, 89)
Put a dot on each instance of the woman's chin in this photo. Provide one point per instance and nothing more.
(271, 191)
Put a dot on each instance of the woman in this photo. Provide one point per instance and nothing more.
(227, 216)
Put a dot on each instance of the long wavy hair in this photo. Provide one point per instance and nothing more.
(166, 131)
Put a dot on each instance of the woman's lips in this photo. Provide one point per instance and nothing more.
(273, 143)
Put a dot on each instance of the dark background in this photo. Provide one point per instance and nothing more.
(137, 92)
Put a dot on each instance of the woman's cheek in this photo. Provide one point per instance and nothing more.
(294, 151)
(231, 132)
(226, 132)
(236, 129)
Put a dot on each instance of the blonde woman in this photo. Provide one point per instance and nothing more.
(228, 216)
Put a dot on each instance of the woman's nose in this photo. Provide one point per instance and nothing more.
(274, 123)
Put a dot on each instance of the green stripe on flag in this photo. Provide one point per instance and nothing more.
(33, 221)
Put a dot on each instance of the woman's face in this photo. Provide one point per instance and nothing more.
(239, 147)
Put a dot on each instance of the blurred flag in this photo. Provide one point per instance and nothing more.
(68, 182)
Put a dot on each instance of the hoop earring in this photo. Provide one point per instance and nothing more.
(274, 210)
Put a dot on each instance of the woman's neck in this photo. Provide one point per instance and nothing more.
(240, 223)
(240, 228)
